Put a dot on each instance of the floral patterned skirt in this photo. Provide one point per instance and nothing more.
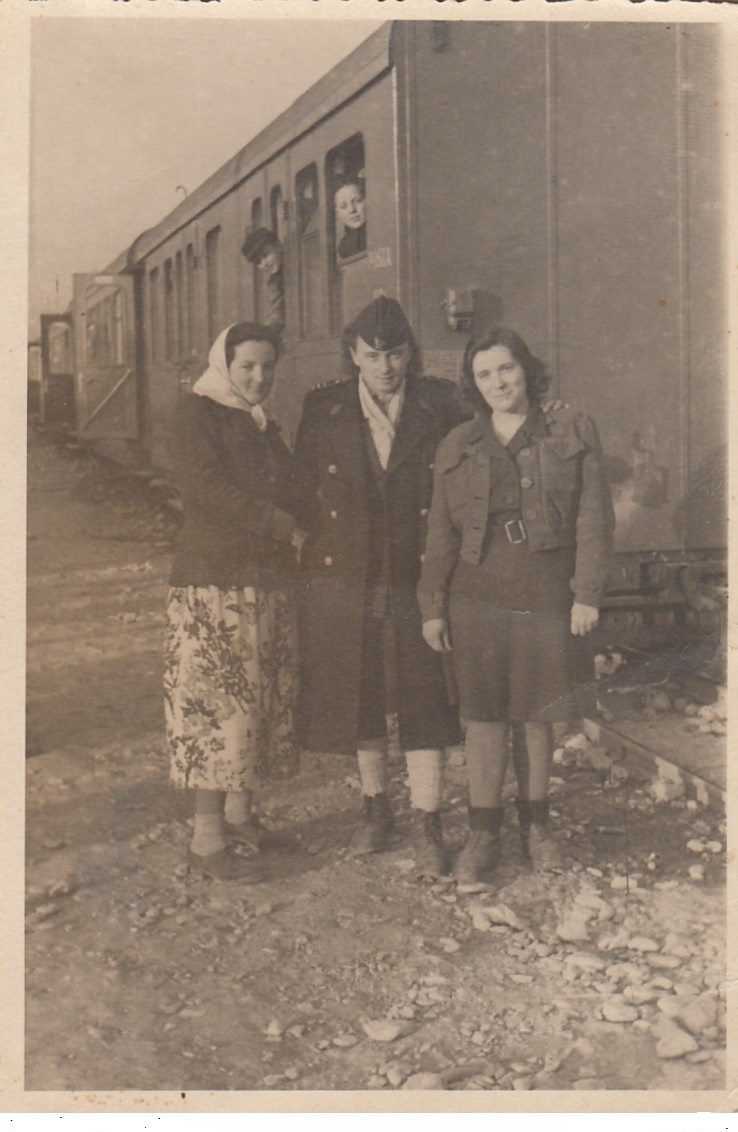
(230, 687)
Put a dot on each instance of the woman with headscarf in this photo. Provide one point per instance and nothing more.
(231, 654)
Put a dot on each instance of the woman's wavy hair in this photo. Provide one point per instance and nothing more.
(250, 332)
(536, 379)
(349, 338)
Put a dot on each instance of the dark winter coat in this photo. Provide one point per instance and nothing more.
(367, 531)
(237, 492)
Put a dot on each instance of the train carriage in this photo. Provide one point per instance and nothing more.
(564, 178)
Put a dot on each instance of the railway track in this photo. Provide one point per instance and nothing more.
(662, 713)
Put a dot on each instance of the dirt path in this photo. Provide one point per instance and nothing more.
(336, 973)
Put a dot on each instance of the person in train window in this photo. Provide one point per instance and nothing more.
(517, 558)
(364, 456)
(262, 248)
(350, 206)
(231, 672)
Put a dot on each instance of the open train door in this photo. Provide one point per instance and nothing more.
(106, 380)
(56, 400)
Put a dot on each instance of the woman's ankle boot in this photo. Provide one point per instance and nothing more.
(537, 842)
(431, 857)
(377, 826)
(481, 852)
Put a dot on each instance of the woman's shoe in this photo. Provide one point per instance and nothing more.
(478, 857)
(543, 849)
(538, 844)
(431, 856)
(226, 868)
(377, 826)
(250, 832)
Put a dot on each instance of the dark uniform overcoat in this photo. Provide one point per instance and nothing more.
(366, 539)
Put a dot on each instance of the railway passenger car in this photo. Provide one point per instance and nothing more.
(563, 178)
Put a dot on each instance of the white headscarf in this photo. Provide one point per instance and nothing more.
(216, 383)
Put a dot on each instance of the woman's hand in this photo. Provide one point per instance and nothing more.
(297, 540)
(584, 618)
(436, 634)
(553, 406)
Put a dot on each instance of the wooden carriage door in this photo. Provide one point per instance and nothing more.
(105, 349)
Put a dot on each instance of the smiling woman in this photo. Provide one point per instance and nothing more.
(516, 564)
(231, 659)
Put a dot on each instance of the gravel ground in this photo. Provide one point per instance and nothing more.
(335, 973)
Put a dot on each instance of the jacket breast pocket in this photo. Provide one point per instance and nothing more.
(457, 485)
(561, 478)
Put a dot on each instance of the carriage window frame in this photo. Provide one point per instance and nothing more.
(313, 317)
(179, 337)
(256, 213)
(169, 309)
(155, 314)
(191, 296)
(212, 281)
(276, 213)
(344, 161)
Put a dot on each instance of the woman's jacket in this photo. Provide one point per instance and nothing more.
(237, 489)
(550, 477)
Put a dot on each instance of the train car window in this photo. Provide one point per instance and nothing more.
(119, 314)
(212, 277)
(190, 267)
(257, 277)
(60, 348)
(346, 224)
(179, 302)
(312, 294)
(276, 213)
(154, 301)
(168, 309)
(345, 174)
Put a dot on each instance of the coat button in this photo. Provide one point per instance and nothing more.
(423, 512)
(431, 465)
(524, 452)
(526, 482)
(531, 514)
(422, 558)
(327, 561)
(332, 469)
(334, 514)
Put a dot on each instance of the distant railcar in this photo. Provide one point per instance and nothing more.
(563, 178)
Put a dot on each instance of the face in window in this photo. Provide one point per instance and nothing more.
(382, 371)
(252, 370)
(350, 206)
(500, 379)
(270, 259)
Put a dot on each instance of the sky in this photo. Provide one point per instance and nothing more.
(125, 111)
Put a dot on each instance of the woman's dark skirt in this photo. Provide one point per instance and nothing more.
(514, 655)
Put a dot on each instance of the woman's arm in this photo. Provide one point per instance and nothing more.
(441, 555)
(306, 467)
(595, 525)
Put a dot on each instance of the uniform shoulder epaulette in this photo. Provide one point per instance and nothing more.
(327, 384)
(439, 382)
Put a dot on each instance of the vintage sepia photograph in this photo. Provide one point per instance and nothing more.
(377, 468)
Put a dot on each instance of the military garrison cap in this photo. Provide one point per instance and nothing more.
(382, 324)
(255, 241)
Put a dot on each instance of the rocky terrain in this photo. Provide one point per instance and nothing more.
(336, 973)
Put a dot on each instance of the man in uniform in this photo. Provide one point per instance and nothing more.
(364, 451)
(262, 248)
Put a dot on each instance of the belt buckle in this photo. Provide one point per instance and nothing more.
(518, 525)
